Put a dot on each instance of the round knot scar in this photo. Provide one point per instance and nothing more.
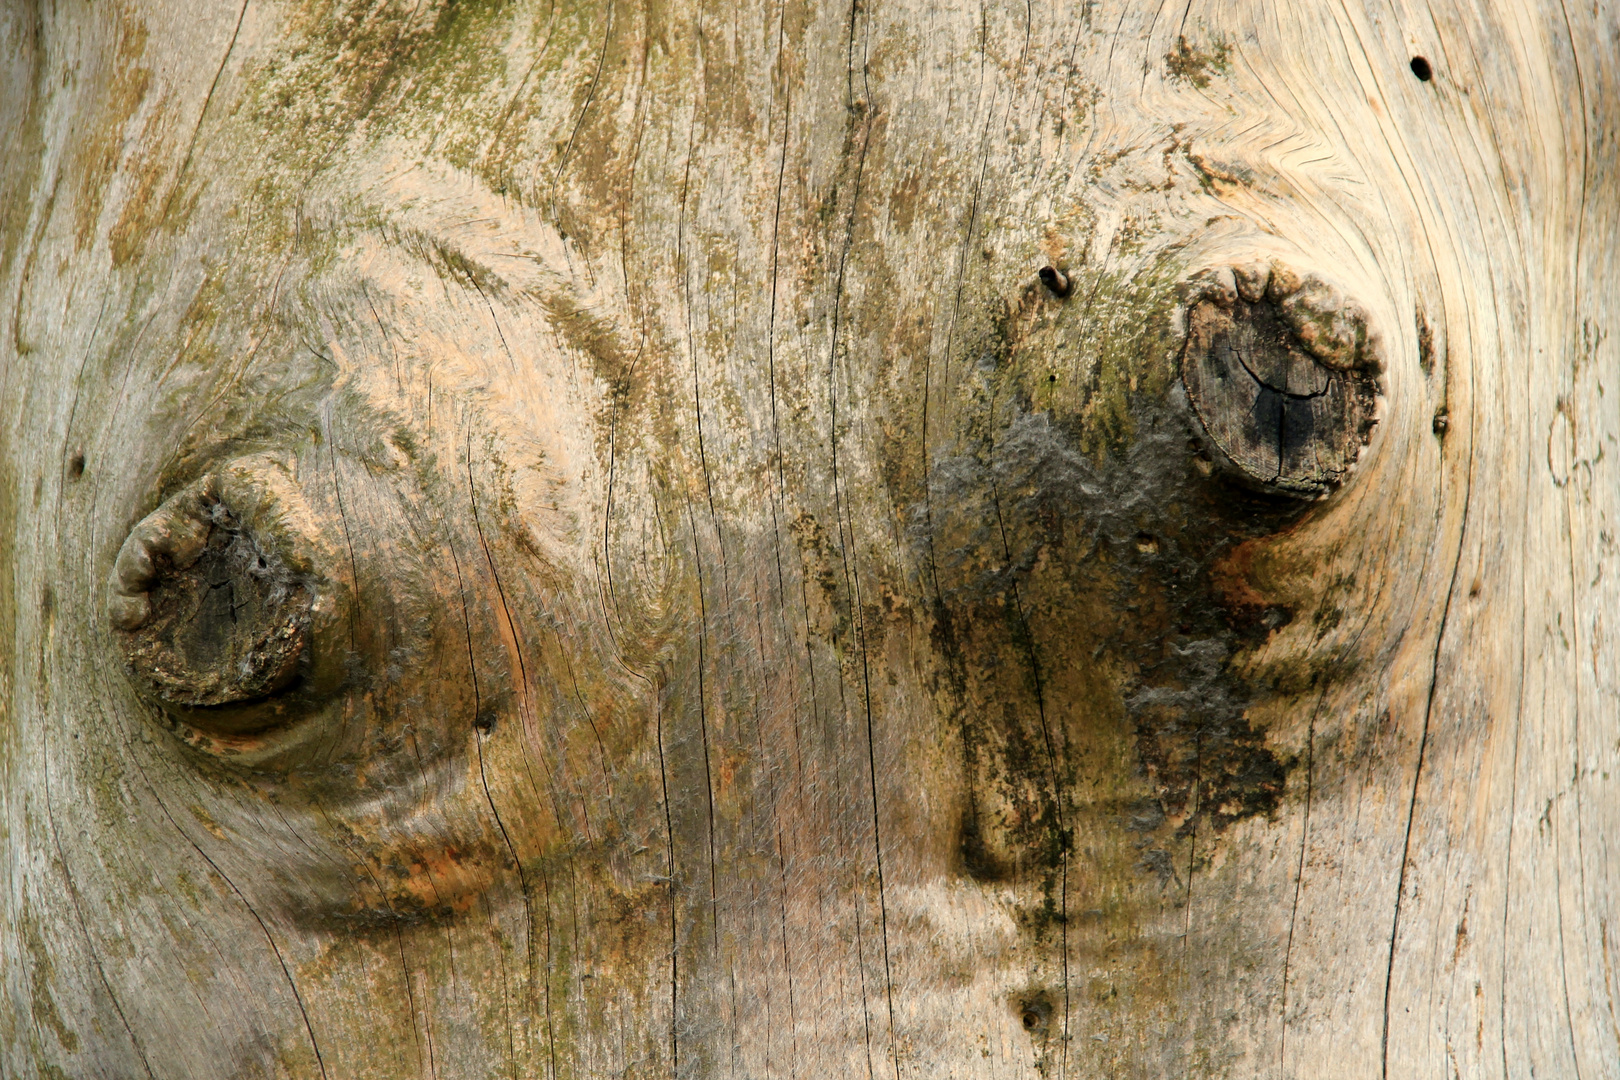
(209, 601)
(1282, 377)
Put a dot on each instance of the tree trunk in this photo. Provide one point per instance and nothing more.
(895, 539)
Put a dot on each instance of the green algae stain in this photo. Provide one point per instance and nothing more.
(1090, 359)
(41, 980)
(1197, 64)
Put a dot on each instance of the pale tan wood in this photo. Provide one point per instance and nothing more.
(759, 628)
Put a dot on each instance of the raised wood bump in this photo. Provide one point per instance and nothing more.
(1283, 380)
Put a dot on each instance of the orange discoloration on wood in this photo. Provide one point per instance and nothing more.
(1233, 576)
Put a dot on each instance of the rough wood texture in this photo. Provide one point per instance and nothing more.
(212, 613)
(1282, 379)
(759, 626)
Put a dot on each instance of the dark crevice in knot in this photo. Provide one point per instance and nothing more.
(229, 628)
(1283, 385)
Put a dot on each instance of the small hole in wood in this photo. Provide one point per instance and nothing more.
(485, 722)
(1421, 68)
(1035, 1013)
(1056, 280)
(76, 467)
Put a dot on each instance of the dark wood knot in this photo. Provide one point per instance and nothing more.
(1055, 280)
(1283, 377)
(214, 597)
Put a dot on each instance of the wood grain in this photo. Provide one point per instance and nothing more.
(757, 627)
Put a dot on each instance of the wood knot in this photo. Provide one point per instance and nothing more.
(1283, 377)
(214, 598)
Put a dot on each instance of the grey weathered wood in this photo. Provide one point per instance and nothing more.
(756, 625)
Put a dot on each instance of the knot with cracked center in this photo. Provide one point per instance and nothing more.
(214, 596)
(1283, 377)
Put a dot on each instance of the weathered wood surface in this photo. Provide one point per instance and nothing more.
(742, 622)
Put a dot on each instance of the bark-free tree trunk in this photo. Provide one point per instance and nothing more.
(885, 539)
